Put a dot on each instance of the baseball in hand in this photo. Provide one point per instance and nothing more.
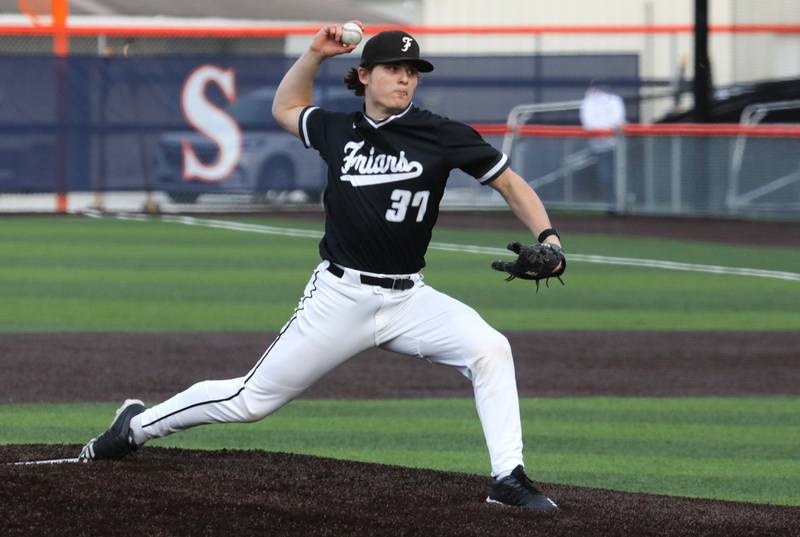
(351, 33)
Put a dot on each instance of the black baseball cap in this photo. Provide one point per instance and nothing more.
(394, 46)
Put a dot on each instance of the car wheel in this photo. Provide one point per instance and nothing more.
(183, 197)
(277, 174)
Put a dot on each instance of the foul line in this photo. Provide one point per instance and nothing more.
(450, 247)
(51, 461)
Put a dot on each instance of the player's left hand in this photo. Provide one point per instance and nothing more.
(535, 262)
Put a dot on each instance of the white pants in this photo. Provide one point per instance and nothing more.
(336, 319)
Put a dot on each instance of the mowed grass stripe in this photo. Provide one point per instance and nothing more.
(632, 436)
(768, 419)
(749, 454)
(184, 278)
(109, 231)
(203, 283)
(136, 315)
(690, 252)
(153, 284)
(783, 258)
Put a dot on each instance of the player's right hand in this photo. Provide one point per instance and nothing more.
(328, 41)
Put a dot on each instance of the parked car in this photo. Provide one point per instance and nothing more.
(272, 162)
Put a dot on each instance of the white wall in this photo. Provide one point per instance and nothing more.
(734, 57)
(768, 55)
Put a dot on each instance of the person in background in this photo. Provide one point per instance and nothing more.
(602, 110)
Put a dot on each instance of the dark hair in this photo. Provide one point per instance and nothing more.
(353, 83)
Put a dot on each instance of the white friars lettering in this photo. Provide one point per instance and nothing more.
(376, 168)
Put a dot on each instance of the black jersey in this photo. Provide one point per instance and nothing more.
(386, 179)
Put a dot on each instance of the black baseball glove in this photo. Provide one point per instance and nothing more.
(535, 262)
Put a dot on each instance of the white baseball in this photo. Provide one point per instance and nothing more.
(351, 33)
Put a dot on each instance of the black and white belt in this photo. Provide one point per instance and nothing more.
(398, 284)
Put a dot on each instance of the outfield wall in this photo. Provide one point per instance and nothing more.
(200, 124)
(181, 116)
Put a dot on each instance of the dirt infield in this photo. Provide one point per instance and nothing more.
(174, 492)
(243, 493)
(53, 367)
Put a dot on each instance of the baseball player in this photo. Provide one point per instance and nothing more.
(387, 168)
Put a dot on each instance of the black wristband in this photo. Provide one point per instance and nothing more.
(546, 233)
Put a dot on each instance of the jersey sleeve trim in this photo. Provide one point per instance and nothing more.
(495, 170)
(303, 125)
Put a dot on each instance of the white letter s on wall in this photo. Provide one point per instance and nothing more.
(213, 122)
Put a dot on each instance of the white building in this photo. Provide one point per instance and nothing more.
(735, 57)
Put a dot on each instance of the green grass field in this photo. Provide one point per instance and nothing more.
(81, 274)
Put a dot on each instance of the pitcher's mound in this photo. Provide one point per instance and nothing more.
(238, 493)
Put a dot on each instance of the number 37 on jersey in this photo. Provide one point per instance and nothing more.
(402, 200)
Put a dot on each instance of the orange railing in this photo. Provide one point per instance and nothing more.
(635, 129)
(282, 31)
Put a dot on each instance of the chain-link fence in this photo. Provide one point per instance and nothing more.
(720, 170)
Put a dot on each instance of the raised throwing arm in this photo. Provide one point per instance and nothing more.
(296, 88)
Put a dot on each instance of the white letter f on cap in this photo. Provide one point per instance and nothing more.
(406, 43)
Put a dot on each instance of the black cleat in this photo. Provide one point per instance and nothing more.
(518, 491)
(116, 442)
